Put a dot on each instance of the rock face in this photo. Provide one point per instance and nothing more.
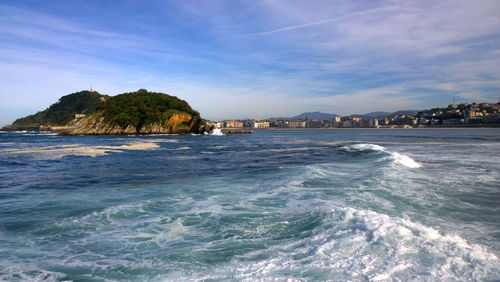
(95, 125)
(142, 112)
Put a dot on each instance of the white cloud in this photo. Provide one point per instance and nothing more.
(389, 98)
(324, 21)
(264, 58)
(479, 97)
(446, 86)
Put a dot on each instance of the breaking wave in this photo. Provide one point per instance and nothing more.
(362, 244)
(367, 147)
(268, 206)
(216, 132)
(396, 157)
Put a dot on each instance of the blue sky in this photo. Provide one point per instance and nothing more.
(242, 59)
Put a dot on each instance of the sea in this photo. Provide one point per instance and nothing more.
(298, 205)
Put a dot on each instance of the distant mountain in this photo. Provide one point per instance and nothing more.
(310, 115)
(406, 112)
(385, 114)
(62, 112)
(373, 115)
(315, 115)
(326, 116)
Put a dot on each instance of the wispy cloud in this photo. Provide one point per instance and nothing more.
(240, 59)
(388, 98)
(325, 21)
(478, 97)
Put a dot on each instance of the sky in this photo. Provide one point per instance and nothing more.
(252, 59)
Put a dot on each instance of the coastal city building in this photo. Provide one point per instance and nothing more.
(260, 124)
(232, 123)
(297, 124)
(483, 114)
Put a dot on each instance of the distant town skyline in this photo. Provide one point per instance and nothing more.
(252, 59)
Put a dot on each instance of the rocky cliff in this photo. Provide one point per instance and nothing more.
(141, 112)
(176, 124)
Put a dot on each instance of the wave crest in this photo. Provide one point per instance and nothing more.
(367, 147)
(396, 157)
(354, 244)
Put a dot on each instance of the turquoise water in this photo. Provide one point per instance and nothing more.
(308, 205)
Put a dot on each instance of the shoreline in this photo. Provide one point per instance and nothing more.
(365, 128)
(234, 130)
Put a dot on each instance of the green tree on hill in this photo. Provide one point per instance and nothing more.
(142, 108)
(62, 112)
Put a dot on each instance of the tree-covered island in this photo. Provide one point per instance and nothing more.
(140, 112)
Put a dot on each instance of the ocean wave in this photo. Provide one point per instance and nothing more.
(347, 211)
(405, 160)
(396, 157)
(453, 257)
(362, 244)
(216, 132)
(347, 243)
(29, 273)
(367, 147)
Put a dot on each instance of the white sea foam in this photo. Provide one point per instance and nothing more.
(29, 273)
(160, 233)
(187, 157)
(8, 143)
(59, 151)
(368, 147)
(460, 259)
(396, 157)
(161, 140)
(405, 160)
(366, 245)
(216, 132)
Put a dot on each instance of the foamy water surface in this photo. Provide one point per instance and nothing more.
(372, 205)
